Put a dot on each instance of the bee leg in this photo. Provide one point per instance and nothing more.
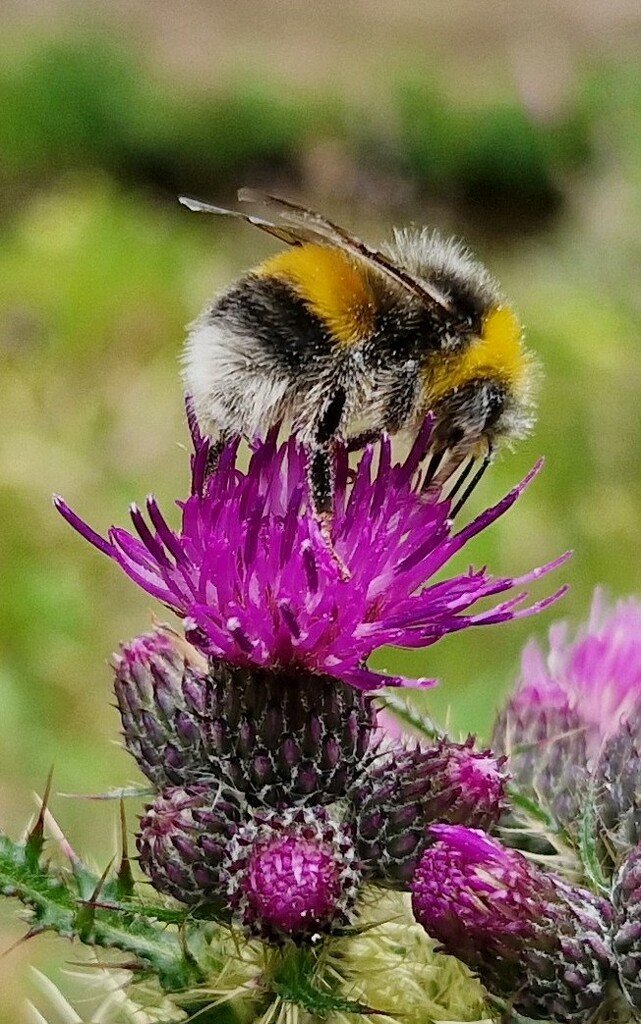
(434, 462)
(216, 447)
(360, 441)
(320, 470)
(321, 455)
(461, 478)
(473, 482)
(320, 473)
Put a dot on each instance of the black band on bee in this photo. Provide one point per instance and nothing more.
(271, 312)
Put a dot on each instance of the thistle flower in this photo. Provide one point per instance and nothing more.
(292, 873)
(279, 739)
(568, 704)
(406, 790)
(626, 941)
(252, 574)
(533, 938)
(596, 677)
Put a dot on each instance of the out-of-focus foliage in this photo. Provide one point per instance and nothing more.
(100, 269)
(72, 102)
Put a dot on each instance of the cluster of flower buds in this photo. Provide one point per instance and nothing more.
(257, 728)
(275, 799)
(573, 733)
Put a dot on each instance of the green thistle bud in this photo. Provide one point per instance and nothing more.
(408, 789)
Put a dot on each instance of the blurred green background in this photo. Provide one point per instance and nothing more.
(516, 126)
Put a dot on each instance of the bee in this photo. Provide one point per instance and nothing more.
(346, 342)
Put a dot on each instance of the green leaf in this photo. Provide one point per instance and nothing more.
(71, 905)
(588, 841)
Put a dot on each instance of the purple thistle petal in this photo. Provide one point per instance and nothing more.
(597, 676)
(252, 573)
(83, 528)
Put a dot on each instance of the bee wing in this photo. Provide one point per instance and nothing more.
(306, 225)
(282, 233)
(296, 225)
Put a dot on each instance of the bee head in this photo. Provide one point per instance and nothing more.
(481, 391)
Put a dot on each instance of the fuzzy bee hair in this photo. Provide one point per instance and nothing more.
(345, 342)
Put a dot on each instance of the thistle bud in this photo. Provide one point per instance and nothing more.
(617, 775)
(626, 898)
(163, 696)
(291, 873)
(546, 741)
(182, 839)
(286, 737)
(408, 789)
(277, 737)
(532, 938)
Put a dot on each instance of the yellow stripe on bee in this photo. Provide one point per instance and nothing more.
(498, 354)
(332, 287)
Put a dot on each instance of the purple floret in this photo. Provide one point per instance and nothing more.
(252, 574)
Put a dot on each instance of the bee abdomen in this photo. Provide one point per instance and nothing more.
(251, 355)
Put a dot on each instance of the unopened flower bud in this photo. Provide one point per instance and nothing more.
(182, 839)
(534, 939)
(626, 941)
(292, 873)
(162, 697)
(409, 789)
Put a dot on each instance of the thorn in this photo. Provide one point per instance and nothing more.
(114, 794)
(101, 881)
(182, 935)
(110, 965)
(125, 879)
(31, 934)
(86, 913)
(36, 837)
(58, 835)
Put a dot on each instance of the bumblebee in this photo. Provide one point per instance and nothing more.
(345, 342)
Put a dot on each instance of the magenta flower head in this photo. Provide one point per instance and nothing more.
(292, 873)
(533, 938)
(573, 705)
(595, 677)
(252, 575)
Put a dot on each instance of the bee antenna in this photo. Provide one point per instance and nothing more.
(473, 482)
